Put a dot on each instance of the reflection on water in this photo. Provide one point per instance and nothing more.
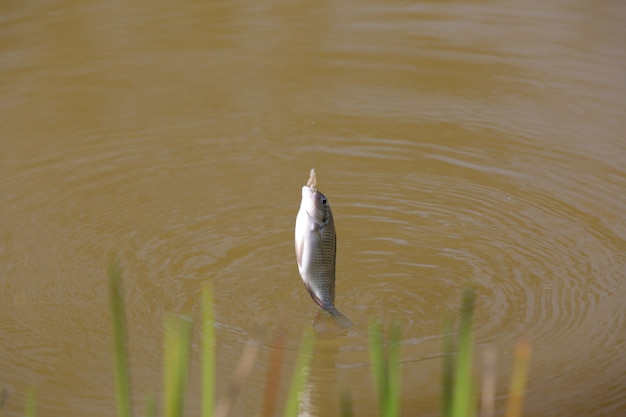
(459, 144)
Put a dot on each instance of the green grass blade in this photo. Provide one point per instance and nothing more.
(394, 377)
(176, 357)
(122, 377)
(462, 402)
(303, 363)
(30, 408)
(518, 380)
(208, 352)
(377, 363)
(448, 368)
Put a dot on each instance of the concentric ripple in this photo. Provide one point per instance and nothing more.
(466, 144)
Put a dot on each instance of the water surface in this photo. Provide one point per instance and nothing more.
(459, 143)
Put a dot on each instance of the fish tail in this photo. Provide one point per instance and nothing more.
(341, 319)
(327, 315)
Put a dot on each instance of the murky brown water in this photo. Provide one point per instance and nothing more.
(459, 143)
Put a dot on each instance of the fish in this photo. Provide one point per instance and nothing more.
(316, 250)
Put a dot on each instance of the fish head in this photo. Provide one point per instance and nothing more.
(315, 204)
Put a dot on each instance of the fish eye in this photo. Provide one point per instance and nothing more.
(324, 200)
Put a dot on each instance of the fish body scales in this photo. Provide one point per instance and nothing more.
(316, 249)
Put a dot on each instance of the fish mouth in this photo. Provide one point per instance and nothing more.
(308, 200)
(308, 193)
(308, 197)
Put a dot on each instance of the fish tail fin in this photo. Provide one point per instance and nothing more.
(341, 319)
(328, 315)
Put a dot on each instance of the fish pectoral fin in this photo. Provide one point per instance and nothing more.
(299, 249)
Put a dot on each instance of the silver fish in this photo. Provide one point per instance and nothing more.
(316, 247)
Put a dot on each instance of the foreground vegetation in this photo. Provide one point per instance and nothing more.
(459, 388)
